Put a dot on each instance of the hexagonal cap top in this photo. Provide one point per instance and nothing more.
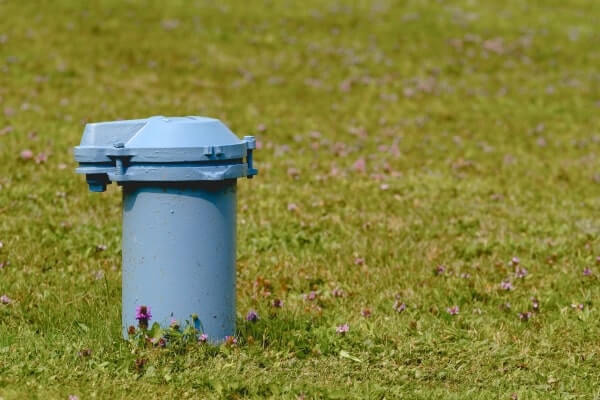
(159, 132)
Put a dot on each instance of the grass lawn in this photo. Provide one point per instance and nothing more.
(409, 150)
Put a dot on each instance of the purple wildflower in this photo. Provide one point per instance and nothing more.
(587, 271)
(174, 324)
(506, 285)
(515, 261)
(365, 312)
(359, 261)
(342, 329)
(520, 272)
(453, 310)
(41, 158)
(160, 342)
(4, 299)
(143, 314)
(360, 165)
(525, 316)
(399, 306)
(440, 270)
(277, 303)
(535, 304)
(293, 172)
(26, 154)
(252, 316)
(337, 292)
(73, 397)
(230, 340)
(578, 307)
(203, 338)
(310, 296)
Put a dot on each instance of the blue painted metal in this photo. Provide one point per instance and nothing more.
(163, 149)
(179, 254)
(179, 177)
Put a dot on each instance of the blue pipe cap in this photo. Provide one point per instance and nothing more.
(162, 149)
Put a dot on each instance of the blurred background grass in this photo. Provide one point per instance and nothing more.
(394, 137)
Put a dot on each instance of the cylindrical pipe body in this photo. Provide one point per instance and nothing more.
(179, 254)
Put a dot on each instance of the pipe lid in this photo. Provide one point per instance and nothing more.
(167, 149)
